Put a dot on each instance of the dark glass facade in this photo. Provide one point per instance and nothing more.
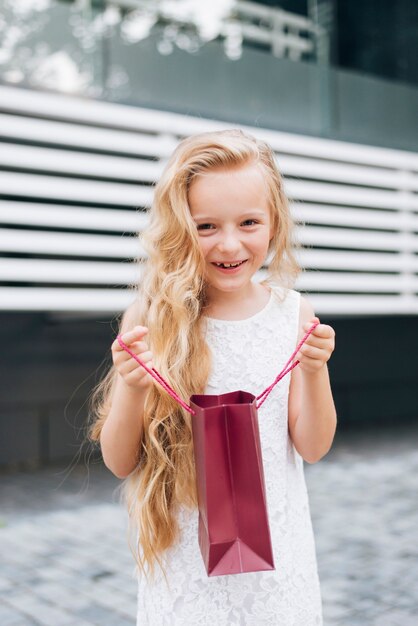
(377, 37)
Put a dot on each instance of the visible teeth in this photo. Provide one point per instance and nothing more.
(229, 264)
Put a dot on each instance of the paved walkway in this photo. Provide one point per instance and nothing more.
(65, 560)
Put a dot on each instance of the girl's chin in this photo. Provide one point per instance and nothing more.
(227, 283)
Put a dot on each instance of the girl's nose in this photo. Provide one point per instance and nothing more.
(229, 243)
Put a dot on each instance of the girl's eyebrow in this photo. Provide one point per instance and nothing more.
(252, 213)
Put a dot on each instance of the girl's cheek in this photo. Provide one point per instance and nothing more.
(203, 246)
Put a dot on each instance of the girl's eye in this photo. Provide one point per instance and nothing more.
(204, 226)
(253, 222)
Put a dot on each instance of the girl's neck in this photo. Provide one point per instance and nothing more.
(237, 305)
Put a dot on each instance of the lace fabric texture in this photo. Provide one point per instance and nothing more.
(247, 355)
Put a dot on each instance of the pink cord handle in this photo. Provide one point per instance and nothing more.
(287, 368)
(153, 372)
(262, 397)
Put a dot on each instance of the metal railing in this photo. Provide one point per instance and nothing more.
(283, 33)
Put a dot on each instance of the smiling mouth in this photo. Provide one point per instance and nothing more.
(231, 265)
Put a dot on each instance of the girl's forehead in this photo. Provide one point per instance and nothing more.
(221, 189)
(225, 174)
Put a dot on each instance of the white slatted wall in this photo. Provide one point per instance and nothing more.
(75, 184)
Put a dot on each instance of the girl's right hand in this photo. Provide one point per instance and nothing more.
(131, 371)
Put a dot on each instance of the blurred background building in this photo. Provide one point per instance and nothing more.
(94, 96)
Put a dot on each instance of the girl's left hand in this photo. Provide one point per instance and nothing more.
(317, 349)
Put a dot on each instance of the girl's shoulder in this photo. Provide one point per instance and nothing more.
(130, 317)
(294, 303)
(284, 294)
(289, 295)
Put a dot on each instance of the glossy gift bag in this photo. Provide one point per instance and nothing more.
(234, 533)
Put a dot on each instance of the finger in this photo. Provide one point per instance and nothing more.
(137, 376)
(139, 346)
(310, 365)
(311, 352)
(126, 361)
(132, 364)
(312, 321)
(319, 342)
(322, 330)
(130, 337)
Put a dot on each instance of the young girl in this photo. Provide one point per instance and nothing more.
(219, 210)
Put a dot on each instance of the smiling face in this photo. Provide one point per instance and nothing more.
(232, 216)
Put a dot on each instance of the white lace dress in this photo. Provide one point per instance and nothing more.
(248, 354)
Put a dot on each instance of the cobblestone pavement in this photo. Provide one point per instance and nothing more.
(65, 560)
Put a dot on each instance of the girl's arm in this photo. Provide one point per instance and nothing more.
(121, 435)
(312, 414)
(122, 431)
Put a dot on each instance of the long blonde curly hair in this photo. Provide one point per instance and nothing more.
(170, 300)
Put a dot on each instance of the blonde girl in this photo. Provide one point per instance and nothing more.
(200, 318)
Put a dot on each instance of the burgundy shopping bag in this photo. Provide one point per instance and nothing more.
(234, 533)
